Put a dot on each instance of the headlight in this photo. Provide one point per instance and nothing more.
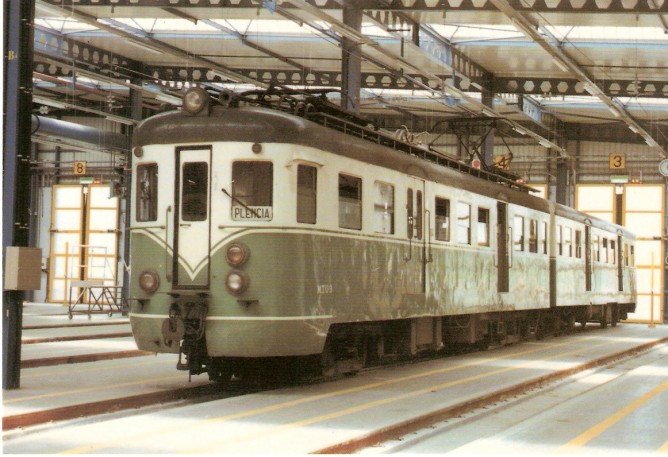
(237, 254)
(237, 282)
(149, 281)
(195, 100)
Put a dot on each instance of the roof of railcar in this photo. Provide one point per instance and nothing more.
(262, 125)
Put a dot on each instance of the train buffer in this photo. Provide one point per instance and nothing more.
(93, 296)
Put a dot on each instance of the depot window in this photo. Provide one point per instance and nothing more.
(350, 202)
(252, 190)
(147, 192)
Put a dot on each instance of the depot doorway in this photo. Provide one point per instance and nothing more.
(84, 239)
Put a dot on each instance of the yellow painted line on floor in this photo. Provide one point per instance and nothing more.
(663, 449)
(219, 447)
(601, 427)
(116, 366)
(92, 389)
(268, 409)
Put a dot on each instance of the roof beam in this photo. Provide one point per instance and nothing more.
(428, 42)
(542, 36)
(144, 40)
(536, 6)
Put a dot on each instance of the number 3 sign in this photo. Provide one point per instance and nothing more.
(617, 161)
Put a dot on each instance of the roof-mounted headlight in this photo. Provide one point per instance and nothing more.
(196, 100)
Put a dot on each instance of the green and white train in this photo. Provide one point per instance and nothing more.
(265, 235)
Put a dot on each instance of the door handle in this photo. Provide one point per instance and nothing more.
(185, 225)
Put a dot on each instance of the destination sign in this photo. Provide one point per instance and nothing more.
(252, 213)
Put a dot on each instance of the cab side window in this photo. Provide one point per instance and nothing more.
(147, 192)
(350, 202)
(307, 187)
(442, 219)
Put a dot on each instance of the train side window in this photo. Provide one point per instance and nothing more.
(463, 223)
(252, 190)
(442, 219)
(307, 188)
(147, 192)
(543, 237)
(533, 235)
(518, 233)
(604, 249)
(350, 202)
(483, 226)
(568, 242)
(560, 240)
(195, 191)
(418, 216)
(613, 252)
(626, 254)
(383, 208)
(595, 248)
(410, 222)
(578, 244)
(632, 258)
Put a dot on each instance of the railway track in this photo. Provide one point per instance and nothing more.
(548, 417)
(211, 392)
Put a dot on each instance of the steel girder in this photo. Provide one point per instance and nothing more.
(535, 6)
(77, 55)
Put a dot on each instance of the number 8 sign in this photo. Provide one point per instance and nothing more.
(79, 168)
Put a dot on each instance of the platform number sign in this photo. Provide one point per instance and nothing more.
(617, 161)
(80, 168)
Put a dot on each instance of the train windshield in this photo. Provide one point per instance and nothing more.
(252, 190)
(195, 191)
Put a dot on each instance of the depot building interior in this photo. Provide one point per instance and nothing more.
(570, 97)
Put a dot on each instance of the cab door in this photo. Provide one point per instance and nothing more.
(503, 248)
(192, 242)
(417, 258)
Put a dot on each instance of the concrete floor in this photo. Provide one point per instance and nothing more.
(300, 419)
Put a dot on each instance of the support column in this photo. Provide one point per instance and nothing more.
(488, 146)
(351, 60)
(665, 252)
(18, 61)
(137, 115)
(562, 182)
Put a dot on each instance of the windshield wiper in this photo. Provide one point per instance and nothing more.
(236, 200)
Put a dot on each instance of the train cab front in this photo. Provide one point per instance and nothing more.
(185, 328)
(165, 319)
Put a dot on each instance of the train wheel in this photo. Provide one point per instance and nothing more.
(570, 323)
(615, 315)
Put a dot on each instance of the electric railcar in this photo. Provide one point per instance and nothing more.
(263, 235)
